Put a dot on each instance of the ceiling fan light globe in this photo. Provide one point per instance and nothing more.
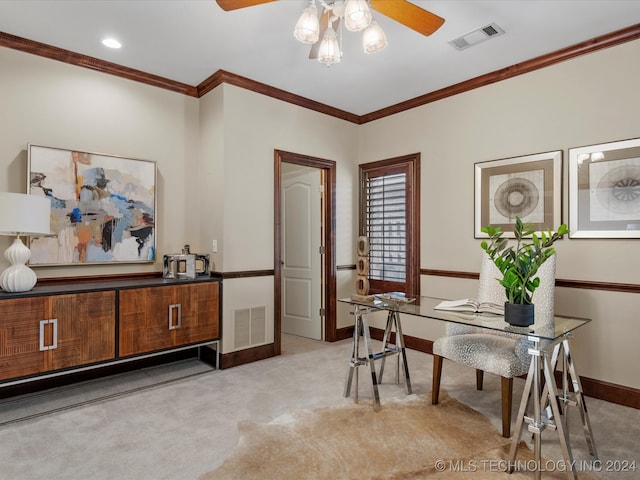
(357, 15)
(307, 28)
(329, 51)
(373, 38)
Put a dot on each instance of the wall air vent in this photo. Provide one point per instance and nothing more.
(473, 38)
(249, 326)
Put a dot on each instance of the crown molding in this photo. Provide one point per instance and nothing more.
(605, 41)
(222, 76)
(73, 58)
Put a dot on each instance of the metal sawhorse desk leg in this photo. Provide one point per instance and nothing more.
(548, 400)
(362, 329)
(393, 322)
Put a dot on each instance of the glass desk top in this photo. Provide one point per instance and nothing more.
(425, 307)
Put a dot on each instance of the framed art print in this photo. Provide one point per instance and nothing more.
(103, 207)
(528, 187)
(604, 190)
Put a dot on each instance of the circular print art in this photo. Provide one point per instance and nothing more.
(619, 190)
(516, 197)
(614, 191)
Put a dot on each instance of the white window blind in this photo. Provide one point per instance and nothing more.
(386, 224)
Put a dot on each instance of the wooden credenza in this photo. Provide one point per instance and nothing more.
(157, 318)
(53, 330)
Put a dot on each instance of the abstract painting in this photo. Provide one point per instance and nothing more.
(103, 207)
(528, 187)
(604, 190)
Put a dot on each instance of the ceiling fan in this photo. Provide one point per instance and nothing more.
(402, 11)
(326, 47)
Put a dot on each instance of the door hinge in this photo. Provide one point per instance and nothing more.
(322, 312)
(322, 250)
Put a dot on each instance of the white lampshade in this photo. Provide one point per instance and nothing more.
(357, 15)
(329, 51)
(21, 214)
(373, 38)
(307, 28)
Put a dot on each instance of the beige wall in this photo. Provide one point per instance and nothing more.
(50, 103)
(215, 161)
(253, 127)
(587, 100)
(215, 173)
(210, 184)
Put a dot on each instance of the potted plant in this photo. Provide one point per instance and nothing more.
(519, 264)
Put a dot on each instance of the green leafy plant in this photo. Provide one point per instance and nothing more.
(519, 263)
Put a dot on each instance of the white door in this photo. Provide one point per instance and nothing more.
(301, 258)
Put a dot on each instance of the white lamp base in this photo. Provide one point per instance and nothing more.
(18, 277)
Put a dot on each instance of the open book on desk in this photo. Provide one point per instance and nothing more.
(471, 305)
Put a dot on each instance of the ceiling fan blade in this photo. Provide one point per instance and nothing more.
(228, 5)
(410, 15)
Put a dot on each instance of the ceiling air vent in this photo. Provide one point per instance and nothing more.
(477, 36)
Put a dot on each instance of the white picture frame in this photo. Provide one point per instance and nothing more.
(604, 190)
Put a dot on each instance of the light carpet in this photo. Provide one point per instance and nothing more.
(406, 439)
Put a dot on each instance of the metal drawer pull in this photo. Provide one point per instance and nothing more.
(173, 307)
(54, 345)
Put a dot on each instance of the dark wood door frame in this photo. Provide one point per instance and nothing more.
(329, 168)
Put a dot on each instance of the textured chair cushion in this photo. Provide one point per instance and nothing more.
(496, 354)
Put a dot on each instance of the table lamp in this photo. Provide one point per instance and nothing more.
(21, 214)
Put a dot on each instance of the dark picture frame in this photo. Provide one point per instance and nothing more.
(604, 190)
(528, 186)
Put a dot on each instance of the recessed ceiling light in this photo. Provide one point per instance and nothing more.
(111, 43)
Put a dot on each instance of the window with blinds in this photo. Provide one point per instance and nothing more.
(390, 217)
(386, 227)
